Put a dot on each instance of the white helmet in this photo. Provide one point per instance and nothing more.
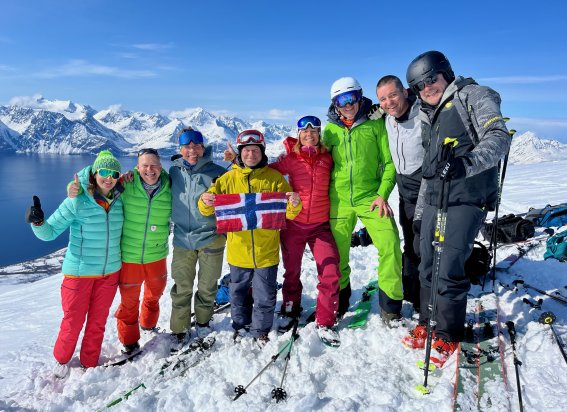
(343, 85)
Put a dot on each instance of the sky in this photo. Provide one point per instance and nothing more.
(276, 61)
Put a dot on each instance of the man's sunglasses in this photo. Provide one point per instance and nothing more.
(148, 151)
(306, 121)
(428, 81)
(104, 173)
(347, 98)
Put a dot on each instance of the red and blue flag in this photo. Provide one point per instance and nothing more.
(247, 211)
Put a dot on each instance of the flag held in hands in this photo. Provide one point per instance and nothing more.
(247, 211)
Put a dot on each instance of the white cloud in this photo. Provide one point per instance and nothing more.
(77, 68)
(152, 46)
(523, 79)
(27, 101)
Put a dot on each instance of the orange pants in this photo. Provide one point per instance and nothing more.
(129, 317)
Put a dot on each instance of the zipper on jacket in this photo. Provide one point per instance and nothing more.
(107, 241)
(146, 227)
(82, 240)
(351, 166)
(252, 231)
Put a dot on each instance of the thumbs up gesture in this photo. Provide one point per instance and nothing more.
(34, 214)
(73, 188)
(229, 153)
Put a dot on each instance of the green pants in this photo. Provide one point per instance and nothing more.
(184, 271)
(385, 237)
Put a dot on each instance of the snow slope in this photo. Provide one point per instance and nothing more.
(371, 371)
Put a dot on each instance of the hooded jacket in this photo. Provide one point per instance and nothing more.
(94, 236)
(470, 114)
(363, 167)
(309, 172)
(257, 248)
(192, 230)
(146, 221)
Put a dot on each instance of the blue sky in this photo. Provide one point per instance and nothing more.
(276, 60)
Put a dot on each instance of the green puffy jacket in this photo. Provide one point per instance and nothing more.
(146, 221)
(363, 167)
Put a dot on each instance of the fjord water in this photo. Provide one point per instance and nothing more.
(47, 176)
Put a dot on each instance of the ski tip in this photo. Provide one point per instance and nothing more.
(423, 390)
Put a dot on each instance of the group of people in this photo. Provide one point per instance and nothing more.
(336, 176)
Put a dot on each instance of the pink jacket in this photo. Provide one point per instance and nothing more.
(309, 173)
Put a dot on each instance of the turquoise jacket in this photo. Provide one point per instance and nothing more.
(94, 238)
(146, 221)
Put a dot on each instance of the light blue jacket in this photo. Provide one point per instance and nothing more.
(192, 230)
(94, 238)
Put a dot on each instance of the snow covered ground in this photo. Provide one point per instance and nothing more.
(370, 371)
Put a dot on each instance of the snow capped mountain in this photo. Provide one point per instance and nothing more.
(528, 148)
(35, 124)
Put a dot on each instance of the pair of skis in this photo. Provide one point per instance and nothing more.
(480, 357)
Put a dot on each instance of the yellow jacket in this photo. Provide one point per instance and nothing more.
(258, 248)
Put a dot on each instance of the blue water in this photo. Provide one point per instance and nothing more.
(46, 176)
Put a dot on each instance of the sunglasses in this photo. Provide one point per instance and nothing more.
(428, 81)
(104, 173)
(347, 98)
(250, 137)
(306, 121)
(148, 151)
(191, 136)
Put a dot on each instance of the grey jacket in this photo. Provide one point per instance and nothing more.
(192, 230)
(471, 114)
(405, 141)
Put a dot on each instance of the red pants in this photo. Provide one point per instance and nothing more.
(322, 245)
(154, 277)
(82, 298)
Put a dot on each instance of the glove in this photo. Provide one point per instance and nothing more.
(375, 112)
(452, 169)
(417, 234)
(34, 214)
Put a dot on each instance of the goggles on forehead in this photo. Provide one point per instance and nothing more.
(306, 121)
(351, 98)
(191, 136)
(250, 137)
(104, 173)
(428, 81)
(148, 151)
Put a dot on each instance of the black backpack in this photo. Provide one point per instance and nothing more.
(511, 228)
(478, 263)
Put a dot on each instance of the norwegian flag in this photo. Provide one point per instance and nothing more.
(247, 211)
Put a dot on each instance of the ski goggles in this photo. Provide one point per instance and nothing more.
(250, 137)
(148, 151)
(428, 81)
(104, 173)
(347, 98)
(191, 136)
(306, 121)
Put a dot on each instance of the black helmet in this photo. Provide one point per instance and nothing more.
(427, 65)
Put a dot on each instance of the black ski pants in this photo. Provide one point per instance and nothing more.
(463, 224)
(410, 261)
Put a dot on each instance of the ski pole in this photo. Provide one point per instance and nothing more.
(548, 318)
(439, 244)
(557, 297)
(494, 239)
(241, 390)
(517, 362)
(279, 394)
